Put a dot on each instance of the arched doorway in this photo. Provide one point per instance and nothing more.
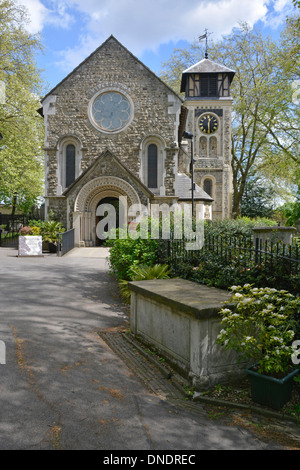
(114, 202)
(89, 199)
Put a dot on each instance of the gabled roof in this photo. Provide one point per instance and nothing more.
(183, 189)
(111, 156)
(206, 66)
(111, 37)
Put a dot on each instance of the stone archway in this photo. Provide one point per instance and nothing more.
(87, 200)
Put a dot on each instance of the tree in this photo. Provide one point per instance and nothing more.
(258, 199)
(21, 161)
(262, 103)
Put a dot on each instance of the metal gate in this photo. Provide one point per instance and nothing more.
(9, 229)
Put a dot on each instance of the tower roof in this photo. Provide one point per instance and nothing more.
(205, 66)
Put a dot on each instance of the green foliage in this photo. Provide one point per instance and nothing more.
(35, 231)
(126, 254)
(258, 199)
(21, 153)
(259, 324)
(143, 273)
(48, 229)
(262, 91)
(291, 211)
(228, 258)
(240, 226)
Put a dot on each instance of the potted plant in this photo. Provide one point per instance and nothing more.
(260, 324)
(30, 242)
(49, 231)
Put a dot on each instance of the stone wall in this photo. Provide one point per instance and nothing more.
(111, 66)
(180, 318)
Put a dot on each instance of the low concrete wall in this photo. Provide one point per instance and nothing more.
(285, 234)
(180, 318)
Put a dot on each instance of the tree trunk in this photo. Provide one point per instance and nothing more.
(14, 204)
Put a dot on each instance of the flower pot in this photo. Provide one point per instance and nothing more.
(30, 245)
(270, 391)
(49, 247)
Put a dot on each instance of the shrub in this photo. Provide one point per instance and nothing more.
(142, 273)
(126, 254)
(25, 231)
(47, 229)
(35, 231)
(259, 324)
(240, 226)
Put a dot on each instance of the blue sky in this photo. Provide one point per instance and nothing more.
(150, 29)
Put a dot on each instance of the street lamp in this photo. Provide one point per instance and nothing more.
(189, 135)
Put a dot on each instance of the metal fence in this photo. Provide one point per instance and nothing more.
(240, 251)
(10, 226)
(65, 242)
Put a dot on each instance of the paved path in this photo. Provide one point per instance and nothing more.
(62, 387)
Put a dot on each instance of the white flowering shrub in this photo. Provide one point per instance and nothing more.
(259, 324)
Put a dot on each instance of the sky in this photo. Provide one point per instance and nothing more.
(151, 29)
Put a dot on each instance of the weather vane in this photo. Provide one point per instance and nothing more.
(205, 36)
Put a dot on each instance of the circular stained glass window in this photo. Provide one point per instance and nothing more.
(111, 111)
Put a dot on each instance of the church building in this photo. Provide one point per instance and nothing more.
(115, 131)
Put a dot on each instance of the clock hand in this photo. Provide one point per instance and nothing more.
(208, 124)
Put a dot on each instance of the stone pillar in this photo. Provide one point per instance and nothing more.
(77, 226)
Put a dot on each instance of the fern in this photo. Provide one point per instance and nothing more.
(143, 273)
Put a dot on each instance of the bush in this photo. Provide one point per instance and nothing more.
(35, 231)
(126, 254)
(234, 227)
(142, 273)
(259, 324)
(25, 231)
(47, 229)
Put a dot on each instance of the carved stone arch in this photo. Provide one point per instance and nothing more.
(108, 183)
(69, 138)
(87, 200)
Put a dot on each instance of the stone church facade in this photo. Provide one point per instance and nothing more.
(114, 130)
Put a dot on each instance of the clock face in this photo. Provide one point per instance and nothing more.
(111, 111)
(208, 124)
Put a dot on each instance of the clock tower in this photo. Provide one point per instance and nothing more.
(209, 106)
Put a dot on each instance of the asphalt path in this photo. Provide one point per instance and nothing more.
(63, 388)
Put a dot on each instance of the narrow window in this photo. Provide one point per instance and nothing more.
(213, 147)
(207, 186)
(70, 164)
(152, 166)
(203, 147)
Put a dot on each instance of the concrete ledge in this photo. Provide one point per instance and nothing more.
(190, 297)
(180, 318)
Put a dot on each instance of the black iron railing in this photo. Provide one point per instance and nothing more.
(238, 251)
(65, 242)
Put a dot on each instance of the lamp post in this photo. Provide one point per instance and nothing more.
(188, 135)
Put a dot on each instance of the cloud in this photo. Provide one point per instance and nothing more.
(56, 14)
(37, 13)
(143, 25)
